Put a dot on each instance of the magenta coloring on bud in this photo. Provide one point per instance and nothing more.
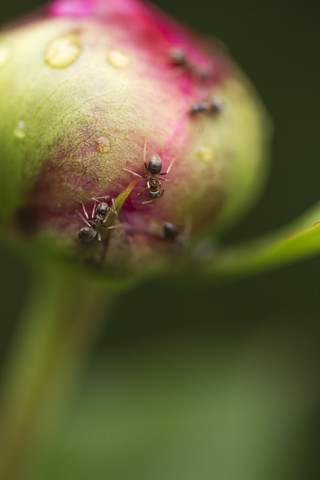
(124, 99)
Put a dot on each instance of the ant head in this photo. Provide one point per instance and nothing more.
(217, 105)
(86, 234)
(102, 209)
(178, 56)
(155, 165)
(197, 108)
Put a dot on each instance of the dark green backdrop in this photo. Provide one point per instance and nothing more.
(277, 44)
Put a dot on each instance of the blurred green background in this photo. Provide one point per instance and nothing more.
(203, 382)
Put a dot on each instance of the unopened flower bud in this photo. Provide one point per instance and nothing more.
(122, 133)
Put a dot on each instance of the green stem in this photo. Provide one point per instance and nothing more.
(59, 327)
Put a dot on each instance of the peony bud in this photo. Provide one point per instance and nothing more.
(122, 134)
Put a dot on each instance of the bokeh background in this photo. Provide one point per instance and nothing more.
(210, 382)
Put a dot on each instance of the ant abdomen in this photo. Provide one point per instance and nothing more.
(87, 234)
(154, 194)
(170, 231)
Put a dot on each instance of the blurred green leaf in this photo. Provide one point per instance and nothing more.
(296, 241)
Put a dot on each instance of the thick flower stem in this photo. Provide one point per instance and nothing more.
(60, 324)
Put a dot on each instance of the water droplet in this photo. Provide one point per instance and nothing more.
(103, 145)
(206, 153)
(63, 51)
(4, 54)
(118, 58)
(20, 130)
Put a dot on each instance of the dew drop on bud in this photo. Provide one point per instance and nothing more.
(63, 51)
(206, 153)
(118, 59)
(103, 145)
(20, 130)
(4, 54)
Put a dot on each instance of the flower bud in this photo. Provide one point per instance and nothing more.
(122, 133)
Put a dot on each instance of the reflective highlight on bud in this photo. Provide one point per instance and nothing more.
(152, 123)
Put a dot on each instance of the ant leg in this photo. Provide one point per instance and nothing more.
(112, 227)
(133, 173)
(97, 199)
(139, 193)
(149, 203)
(171, 165)
(102, 196)
(84, 210)
(93, 214)
(83, 218)
(169, 180)
(99, 236)
(113, 209)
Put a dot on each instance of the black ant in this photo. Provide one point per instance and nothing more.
(170, 231)
(177, 236)
(212, 107)
(154, 167)
(99, 216)
(180, 58)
